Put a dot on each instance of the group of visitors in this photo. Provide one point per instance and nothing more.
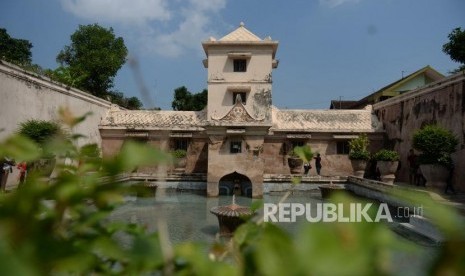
(6, 167)
(307, 165)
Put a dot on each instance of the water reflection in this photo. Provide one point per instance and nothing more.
(187, 213)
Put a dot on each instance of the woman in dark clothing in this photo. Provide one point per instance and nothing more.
(318, 163)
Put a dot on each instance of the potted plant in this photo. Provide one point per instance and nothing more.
(297, 156)
(180, 161)
(359, 154)
(436, 145)
(387, 162)
(41, 132)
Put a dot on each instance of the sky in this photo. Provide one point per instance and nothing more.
(328, 49)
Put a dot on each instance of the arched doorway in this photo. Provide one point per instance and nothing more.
(235, 183)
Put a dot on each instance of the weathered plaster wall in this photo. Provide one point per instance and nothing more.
(197, 152)
(220, 66)
(333, 164)
(258, 100)
(441, 102)
(24, 96)
(256, 81)
(197, 156)
(222, 162)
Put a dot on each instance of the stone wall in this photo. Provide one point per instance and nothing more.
(247, 163)
(441, 102)
(24, 96)
(197, 158)
(197, 152)
(333, 164)
(212, 154)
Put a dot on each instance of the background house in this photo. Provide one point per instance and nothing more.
(417, 79)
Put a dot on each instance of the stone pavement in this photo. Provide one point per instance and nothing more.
(457, 199)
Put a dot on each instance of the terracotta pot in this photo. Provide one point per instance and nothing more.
(180, 164)
(44, 166)
(359, 167)
(295, 164)
(436, 176)
(387, 169)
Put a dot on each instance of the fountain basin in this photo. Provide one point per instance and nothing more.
(230, 217)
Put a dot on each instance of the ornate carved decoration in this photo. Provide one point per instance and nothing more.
(238, 114)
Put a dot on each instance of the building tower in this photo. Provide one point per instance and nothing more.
(238, 110)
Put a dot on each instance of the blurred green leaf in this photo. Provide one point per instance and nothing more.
(256, 205)
(19, 148)
(134, 154)
(304, 153)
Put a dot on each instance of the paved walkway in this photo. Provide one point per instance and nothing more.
(456, 200)
(13, 180)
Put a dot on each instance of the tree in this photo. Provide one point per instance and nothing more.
(186, 101)
(93, 58)
(15, 50)
(455, 48)
(133, 103)
(118, 98)
(199, 100)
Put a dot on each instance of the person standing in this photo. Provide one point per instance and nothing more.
(22, 167)
(307, 168)
(449, 181)
(6, 168)
(318, 163)
(413, 168)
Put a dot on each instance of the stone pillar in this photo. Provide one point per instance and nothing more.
(257, 189)
(212, 189)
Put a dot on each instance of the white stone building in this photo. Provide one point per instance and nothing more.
(240, 137)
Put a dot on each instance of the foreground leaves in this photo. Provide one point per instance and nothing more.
(61, 227)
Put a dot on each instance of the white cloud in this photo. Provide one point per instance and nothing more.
(335, 3)
(122, 11)
(187, 36)
(164, 27)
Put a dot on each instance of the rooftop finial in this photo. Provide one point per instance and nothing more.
(242, 24)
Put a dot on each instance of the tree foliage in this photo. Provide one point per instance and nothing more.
(118, 98)
(436, 145)
(455, 48)
(93, 58)
(15, 50)
(92, 61)
(186, 101)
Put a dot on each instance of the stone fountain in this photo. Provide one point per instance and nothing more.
(231, 216)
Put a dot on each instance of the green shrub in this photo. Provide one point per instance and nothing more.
(358, 148)
(179, 153)
(39, 131)
(386, 155)
(436, 144)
